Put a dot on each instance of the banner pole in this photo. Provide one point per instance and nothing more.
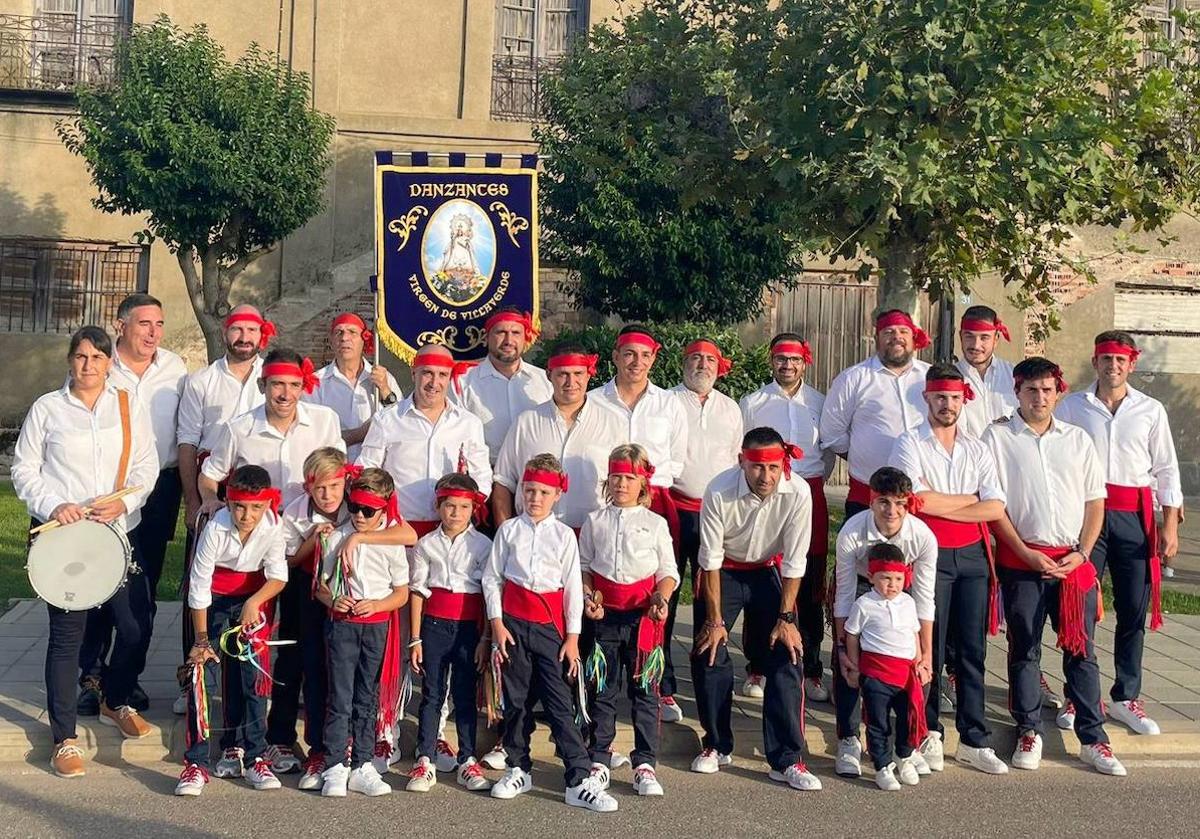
(375, 291)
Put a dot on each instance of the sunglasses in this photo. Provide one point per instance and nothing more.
(362, 510)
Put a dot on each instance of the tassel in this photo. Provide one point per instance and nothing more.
(918, 726)
(1072, 597)
(652, 670)
(993, 606)
(389, 679)
(200, 700)
(596, 669)
(1156, 613)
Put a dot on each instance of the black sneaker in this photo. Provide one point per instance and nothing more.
(88, 704)
(138, 699)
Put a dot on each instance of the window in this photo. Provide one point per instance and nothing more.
(532, 36)
(65, 43)
(58, 286)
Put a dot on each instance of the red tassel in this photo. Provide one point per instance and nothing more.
(1072, 598)
(918, 726)
(1156, 614)
(993, 606)
(389, 678)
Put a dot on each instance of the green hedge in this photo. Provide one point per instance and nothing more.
(751, 368)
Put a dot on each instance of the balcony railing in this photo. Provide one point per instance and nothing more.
(56, 53)
(518, 85)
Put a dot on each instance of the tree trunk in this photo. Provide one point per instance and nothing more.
(896, 289)
(206, 303)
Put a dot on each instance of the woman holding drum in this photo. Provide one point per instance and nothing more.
(79, 446)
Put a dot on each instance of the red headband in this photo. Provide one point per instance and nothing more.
(366, 498)
(1057, 373)
(351, 319)
(912, 501)
(876, 565)
(271, 495)
(524, 319)
(920, 337)
(433, 355)
(800, 348)
(1115, 348)
(266, 329)
(775, 454)
(545, 476)
(724, 365)
(303, 371)
(638, 338)
(951, 386)
(626, 467)
(986, 326)
(478, 501)
(574, 360)
(349, 471)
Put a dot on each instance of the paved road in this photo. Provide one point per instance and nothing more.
(1059, 802)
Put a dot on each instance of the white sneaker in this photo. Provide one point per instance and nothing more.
(919, 761)
(848, 762)
(282, 759)
(470, 775)
(797, 776)
(600, 773)
(386, 755)
(815, 689)
(1100, 757)
(1066, 717)
(422, 777)
(709, 761)
(191, 780)
(497, 758)
(906, 773)
(1132, 713)
(515, 781)
(983, 759)
(753, 686)
(885, 779)
(616, 760)
(444, 757)
(260, 776)
(645, 782)
(931, 750)
(589, 794)
(179, 707)
(1028, 753)
(335, 779)
(366, 780)
(314, 768)
(669, 710)
(230, 764)
(1050, 699)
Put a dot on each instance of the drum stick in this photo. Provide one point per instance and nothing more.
(103, 499)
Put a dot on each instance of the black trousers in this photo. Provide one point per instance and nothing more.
(754, 594)
(448, 659)
(845, 698)
(688, 558)
(1124, 551)
(810, 614)
(355, 659)
(961, 614)
(299, 618)
(616, 634)
(1028, 599)
(880, 702)
(533, 672)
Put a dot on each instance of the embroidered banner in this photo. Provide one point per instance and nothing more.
(453, 245)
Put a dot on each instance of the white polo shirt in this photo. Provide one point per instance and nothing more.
(220, 545)
(159, 389)
(737, 524)
(714, 438)
(797, 419)
(1046, 479)
(914, 539)
(886, 627)
(1134, 444)
(498, 400)
(540, 556)
(452, 564)
(627, 545)
(656, 423)
(251, 440)
(351, 401)
(212, 397)
(995, 395)
(375, 569)
(967, 469)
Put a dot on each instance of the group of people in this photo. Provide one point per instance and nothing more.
(512, 536)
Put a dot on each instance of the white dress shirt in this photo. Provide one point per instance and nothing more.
(212, 397)
(656, 423)
(867, 408)
(220, 545)
(300, 516)
(914, 539)
(417, 452)
(886, 627)
(582, 449)
(375, 569)
(351, 401)
(455, 565)
(627, 545)
(251, 440)
(736, 524)
(967, 469)
(67, 454)
(797, 419)
(498, 400)
(1134, 444)
(714, 438)
(1046, 479)
(159, 388)
(540, 556)
(995, 395)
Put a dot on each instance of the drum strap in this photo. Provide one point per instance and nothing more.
(126, 439)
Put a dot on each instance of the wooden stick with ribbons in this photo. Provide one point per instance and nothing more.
(102, 500)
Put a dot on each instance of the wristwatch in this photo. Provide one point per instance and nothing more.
(390, 399)
(1078, 548)
(787, 617)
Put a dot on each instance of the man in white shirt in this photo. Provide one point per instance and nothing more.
(793, 408)
(346, 383)
(979, 331)
(1054, 489)
(1137, 456)
(872, 403)
(503, 386)
(576, 429)
(754, 532)
(424, 437)
(954, 477)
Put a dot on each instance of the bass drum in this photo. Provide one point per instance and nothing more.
(79, 566)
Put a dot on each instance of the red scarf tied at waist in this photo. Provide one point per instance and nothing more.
(900, 673)
(1123, 499)
(454, 605)
(960, 534)
(633, 597)
(733, 564)
(533, 606)
(226, 581)
(1072, 594)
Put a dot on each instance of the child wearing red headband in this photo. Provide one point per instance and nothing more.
(237, 570)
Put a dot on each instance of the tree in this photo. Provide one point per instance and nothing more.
(223, 159)
(628, 108)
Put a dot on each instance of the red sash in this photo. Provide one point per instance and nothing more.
(454, 606)
(226, 581)
(533, 606)
(962, 534)
(1072, 594)
(731, 564)
(685, 502)
(632, 597)
(899, 673)
(1123, 499)
(860, 493)
(662, 503)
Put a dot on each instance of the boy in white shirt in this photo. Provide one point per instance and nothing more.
(882, 660)
(238, 568)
